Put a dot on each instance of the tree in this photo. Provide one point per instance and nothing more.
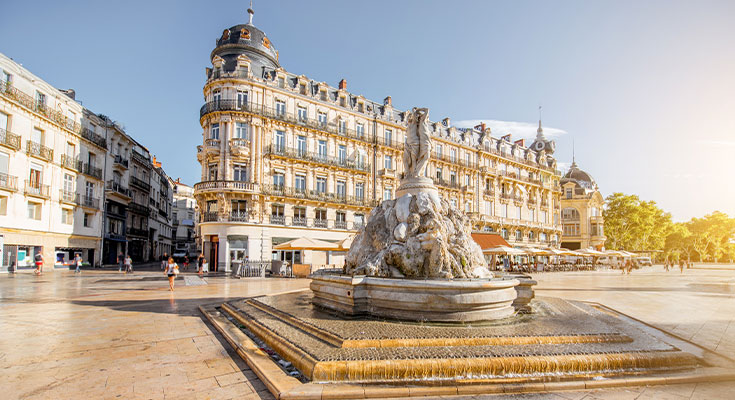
(711, 235)
(633, 224)
(678, 242)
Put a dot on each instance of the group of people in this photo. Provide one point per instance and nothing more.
(124, 261)
(38, 260)
(171, 268)
(670, 264)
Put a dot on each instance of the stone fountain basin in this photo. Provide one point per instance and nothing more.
(430, 300)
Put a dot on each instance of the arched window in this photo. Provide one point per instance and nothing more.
(570, 214)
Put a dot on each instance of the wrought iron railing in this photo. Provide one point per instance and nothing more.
(340, 224)
(210, 216)
(220, 185)
(33, 188)
(8, 139)
(67, 196)
(8, 91)
(321, 223)
(92, 171)
(299, 221)
(139, 208)
(323, 159)
(93, 137)
(39, 150)
(119, 160)
(278, 220)
(8, 182)
(70, 162)
(118, 188)
(239, 216)
(140, 183)
(88, 201)
(279, 190)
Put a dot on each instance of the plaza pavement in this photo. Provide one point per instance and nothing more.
(104, 335)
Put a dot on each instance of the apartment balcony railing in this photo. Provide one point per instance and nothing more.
(8, 182)
(37, 189)
(278, 220)
(545, 203)
(241, 143)
(340, 224)
(139, 158)
(239, 216)
(299, 221)
(139, 208)
(395, 144)
(94, 138)
(135, 181)
(321, 223)
(118, 188)
(115, 236)
(358, 225)
(39, 150)
(212, 143)
(10, 140)
(92, 171)
(67, 196)
(273, 113)
(323, 159)
(217, 186)
(120, 161)
(446, 184)
(137, 232)
(8, 91)
(70, 162)
(285, 191)
(489, 192)
(210, 216)
(87, 201)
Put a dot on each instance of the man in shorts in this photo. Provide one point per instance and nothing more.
(38, 258)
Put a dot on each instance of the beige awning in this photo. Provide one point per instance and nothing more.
(505, 250)
(306, 243)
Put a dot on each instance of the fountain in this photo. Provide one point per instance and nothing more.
(416, 311)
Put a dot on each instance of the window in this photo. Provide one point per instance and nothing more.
(278, 180)
(341, 189)
(320, 215)
(438, 151)
(388, 162)
(342, 153)
(214, 131)
(217, 95)
(388, 136)
(342, 101)
(359, 220)
(213, 172)
(360, 190)
(3, 204)
(4, 165)
(301, 145)
(3, 121)
(37, 136)
(342, 126)
(71, 149)
(241, 131)
(438, 173)
(532, 215)
(467, 180)
(302, 113)
(570, 214)
(280, 107)
(519, 235)
(240, 173)
(452, 177)
(489, 208)
(242, 99)
(68, 183)
(279, 140)
(453, 156)
(302, 88)
(88, 220)
(467, 207)
(361, 107)
(7, 78)
(360, 129)
(570, 229)
(321, 184)
(40, 99)
(504, 233)
(300, 183)
(35, 176)
(323, 95)
(542, 217)
(66, 216)
(341, 220)
(387, 193)
(299, 215)
(518, 212)
(239, 207)
(281, 82)
(277, 210)
(504, 210)
(322, 118)
(322, 148)
(569, 193)
(468, 157)
(34, 210)
(361, 159)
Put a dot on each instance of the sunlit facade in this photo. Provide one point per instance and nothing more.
(284, 156)
(581, 211)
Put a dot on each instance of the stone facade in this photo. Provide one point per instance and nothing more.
(581, 213)
(184, 218)
(284, 156)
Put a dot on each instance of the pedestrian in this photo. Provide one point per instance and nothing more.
(200, 265)
(128, 264)
(186, 263)
(164, 261)
(120, 261)
(78, 262)
(205, 265)
(38, 258)
(172, 269)
(681, 266)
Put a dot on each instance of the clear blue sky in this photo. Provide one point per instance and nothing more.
(646, 89)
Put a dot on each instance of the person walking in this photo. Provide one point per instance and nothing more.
(681, 266)
(78, 262)
(120, 261)
(172, 269)
(38, 258)
(128, 264)
(186, 263)
(164, 261)
(200, 265)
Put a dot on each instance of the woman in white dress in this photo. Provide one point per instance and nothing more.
(172, 269)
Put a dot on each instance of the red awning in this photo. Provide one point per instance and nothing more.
(488, 240)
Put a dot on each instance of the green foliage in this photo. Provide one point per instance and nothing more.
(633, 224)
(712, 236)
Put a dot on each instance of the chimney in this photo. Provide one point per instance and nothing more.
(71, 93)
(521, 142)
(446, 121)
(343, 84)
(506, 137)
(388, 101)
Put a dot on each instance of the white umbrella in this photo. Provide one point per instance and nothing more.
(345, 243)
(505, 250)
(306, 243)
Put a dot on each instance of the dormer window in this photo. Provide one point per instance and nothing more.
(361, 107)
(302, 88)
(266, 43)
(342, 101)
(226, 34)
(323, 95)
(281, 82)
(244, 34)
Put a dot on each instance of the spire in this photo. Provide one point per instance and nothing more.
(540, 130)
(574, 162)
(251, 12)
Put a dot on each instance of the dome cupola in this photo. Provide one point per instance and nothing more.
(246, 39)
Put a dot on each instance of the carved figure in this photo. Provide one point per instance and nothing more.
(418, 143)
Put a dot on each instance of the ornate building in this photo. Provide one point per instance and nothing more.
(581, 213)
(284, 156)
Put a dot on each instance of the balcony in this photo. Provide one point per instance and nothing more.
(323, 159)
(210, 216)
(37, 190)
(9, 140)
(278, 220)
(297, 193)
(139, 208)
(489, 192)
(445, 184)
(135, 181)
(239, 216)
(299, 221)
(358, 226)
(137, 232)
(91, 170)
(87, 201)
(8, 182)
(269, 112)
(321, 223)
(387, 173)
(40, 151)
(488, 170)
(94, 138)
(218, 186)
(239, 146)
(340, 224)
(115, 236)
(212, 143)
(67, 196)
(393, 144)
(121, 162)
(70, 162)
(139, 158)
(8, 91)
(118, 188)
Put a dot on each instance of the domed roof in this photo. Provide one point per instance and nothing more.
(579, 177)
(248, 40)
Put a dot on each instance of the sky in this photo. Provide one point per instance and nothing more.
(645, 90)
